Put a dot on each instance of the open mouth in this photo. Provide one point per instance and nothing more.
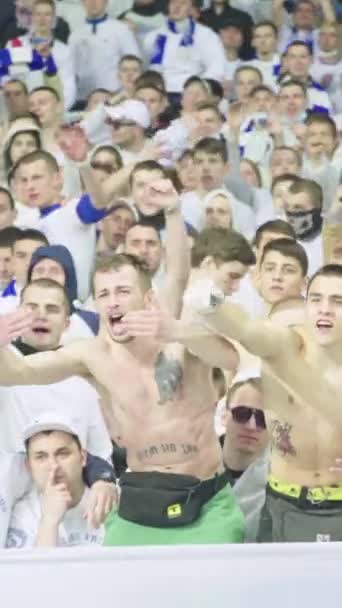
(40, 330)
(324, 325)
(116, 325)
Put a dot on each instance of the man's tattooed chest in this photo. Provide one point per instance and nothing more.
(282, 438)
(168, 375)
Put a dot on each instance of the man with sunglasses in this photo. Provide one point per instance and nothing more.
(245, 453)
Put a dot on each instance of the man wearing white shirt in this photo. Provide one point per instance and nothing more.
(52, 513)
(303, 210)
(47, 105)
(97, 47)
(49, 304)
(327, 66)
(211, 165)
(298, 61)
(304, 22)
(231, 35)
(41, 38)
(267, 59)
(73, 224)
(129, 122)
(184, 48)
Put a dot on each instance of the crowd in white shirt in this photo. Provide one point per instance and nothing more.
(142, 90)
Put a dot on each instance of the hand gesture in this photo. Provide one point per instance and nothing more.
(162, 195)
(103, 496)
(56, 499)
(13, 325)
(274, 125)
(157, 324)
(73, 142)
(202, 297)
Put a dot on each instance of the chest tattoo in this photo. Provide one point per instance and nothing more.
(281, 433)
(168, 374)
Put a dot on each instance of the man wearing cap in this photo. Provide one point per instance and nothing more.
(129, 121)
(97, 47)
(184, 48)
(52, 513)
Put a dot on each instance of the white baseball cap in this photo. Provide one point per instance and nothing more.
(52, 421)
(133, 110)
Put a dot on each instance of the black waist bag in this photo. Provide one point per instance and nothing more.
(165, 500)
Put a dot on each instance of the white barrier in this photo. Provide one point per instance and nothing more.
(240, 576)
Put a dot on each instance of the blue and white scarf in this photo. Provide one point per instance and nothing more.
(160, 43)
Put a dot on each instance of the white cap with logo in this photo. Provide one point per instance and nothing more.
(52, 421)
(133, 110)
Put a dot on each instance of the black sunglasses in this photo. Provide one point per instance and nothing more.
(242, 414)
(105, 167)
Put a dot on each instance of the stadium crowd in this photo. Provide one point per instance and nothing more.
(170, 272)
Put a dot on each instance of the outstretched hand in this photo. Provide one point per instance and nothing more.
(13, 325)
(157, 324)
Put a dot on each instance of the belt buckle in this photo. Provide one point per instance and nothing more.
(318, 501)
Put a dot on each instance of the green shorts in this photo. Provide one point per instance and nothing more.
(221, 521)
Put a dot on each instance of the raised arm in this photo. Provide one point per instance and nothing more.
(104, 194)
(328, 11)
(201, 342)
(261, 338)
(278, 12)
(164, 197)
(42, 368)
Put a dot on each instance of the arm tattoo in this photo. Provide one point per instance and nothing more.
(168, 374)
(282, 438)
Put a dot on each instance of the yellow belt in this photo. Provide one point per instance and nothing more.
(318, 494)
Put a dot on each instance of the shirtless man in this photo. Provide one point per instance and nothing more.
(162, 407)
(302, 388)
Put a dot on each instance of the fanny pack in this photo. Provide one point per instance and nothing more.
(165, 500)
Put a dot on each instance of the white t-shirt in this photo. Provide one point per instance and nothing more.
(289, 34)
(74, 226)
(96, 55)
(269, 69)
(73, 530)
(230, 68)
(314, 251)
(19, 405)
(14, 482)
(203, 57)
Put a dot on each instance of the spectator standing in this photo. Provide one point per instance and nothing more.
(97, 47)
(41, 39)
(222, 12)
(184, 48)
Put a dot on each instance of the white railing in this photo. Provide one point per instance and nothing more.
(239, 576)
